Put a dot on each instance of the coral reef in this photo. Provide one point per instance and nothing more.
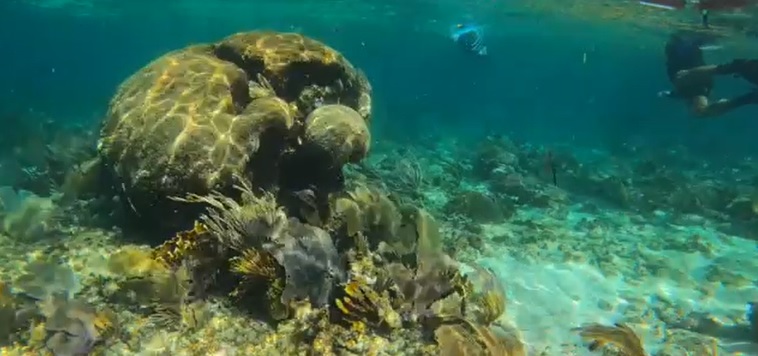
(279, 109)
(366, 272)
(303, 244)
(42, 151)
(30, 219)
(370, 268)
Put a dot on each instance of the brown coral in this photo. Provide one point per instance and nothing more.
(488, 296)
(176, 125)
(194, 119)
(133, 262)
(255, 264)
(619, 335)
(466, 338)
(185, 244)
(244, 224)
(362, 305)
(301, 70)
(338, 132)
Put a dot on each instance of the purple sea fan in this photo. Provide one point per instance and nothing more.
(311, 262)
(71, 327)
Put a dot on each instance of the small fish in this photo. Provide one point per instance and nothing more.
(551, 168)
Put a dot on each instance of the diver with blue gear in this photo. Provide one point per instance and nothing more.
(693, 79)
(470, 37)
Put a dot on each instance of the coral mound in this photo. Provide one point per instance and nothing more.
(338, 131)
(195, 119)
(177, 124)
(301, 69)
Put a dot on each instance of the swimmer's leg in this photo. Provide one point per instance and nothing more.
(702, 108)
(709, 70)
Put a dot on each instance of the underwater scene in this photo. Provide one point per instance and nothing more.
(379, 177)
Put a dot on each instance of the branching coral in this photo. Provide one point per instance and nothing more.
(255, 265)
(311, 262)
(419, 289)
(160, 282)
(186, 243)
(170, 300)
(408, 176)
(619, 335)
(361, 304)
(242, 225)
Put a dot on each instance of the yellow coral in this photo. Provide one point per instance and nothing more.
(277, 309)
(133, 262)
(361, 304)
(255, 263)
(229, 221)
(488, 295)
(492, 306)
(37, 334)
(185, 243)
(105, 322)
(358, 327)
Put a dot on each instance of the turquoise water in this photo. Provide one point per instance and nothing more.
(649, 219)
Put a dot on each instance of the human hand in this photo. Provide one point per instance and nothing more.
(664, 94)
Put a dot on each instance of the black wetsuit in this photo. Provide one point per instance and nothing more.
(468, 40)
(471, 41)
(683, 52)
(748, 70)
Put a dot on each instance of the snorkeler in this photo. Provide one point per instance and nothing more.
(693, 79)
(470, 37)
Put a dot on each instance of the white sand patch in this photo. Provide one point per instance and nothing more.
(548, 298)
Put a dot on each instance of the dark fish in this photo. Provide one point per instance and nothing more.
(551, 168)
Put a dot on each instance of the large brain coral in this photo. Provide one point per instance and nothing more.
(194, 119)
(339, 132)
(301, 70)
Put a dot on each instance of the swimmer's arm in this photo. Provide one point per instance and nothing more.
(734, 67)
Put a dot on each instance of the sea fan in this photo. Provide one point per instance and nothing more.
(311, 262)
(618, 335)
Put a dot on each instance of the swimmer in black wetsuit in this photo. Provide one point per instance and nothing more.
(693, 79)
(470, 37)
